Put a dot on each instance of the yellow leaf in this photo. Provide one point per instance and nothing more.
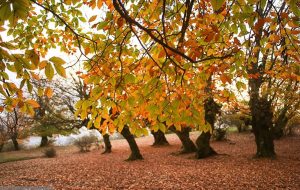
(93, 18)
(68, 2)
(49, 71)
(216, 4)
(210, 52)
(57, 60)
(60, 70)
(33, 103)
(40, 91)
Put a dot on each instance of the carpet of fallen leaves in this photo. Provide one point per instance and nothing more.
(234, 168)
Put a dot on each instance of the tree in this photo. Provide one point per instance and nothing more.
(53, 114)
(285, 101)
(10, 126)
(154, 59)
(184, 136)
(271, 44)
(159, 138)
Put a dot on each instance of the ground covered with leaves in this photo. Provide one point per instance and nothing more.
(234, 168)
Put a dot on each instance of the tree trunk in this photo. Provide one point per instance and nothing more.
(15, 142)
(107, 144)
(159, 138)
(135, 152)
(203, 141)
(280, 123)
(1, 146)
(203, 146)
(184, 135)
(44, 141)
(262, 124)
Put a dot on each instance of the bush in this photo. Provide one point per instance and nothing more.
(240, 121)
(85, 143)
(50, 152)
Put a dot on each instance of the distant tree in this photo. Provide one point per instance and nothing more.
(285, 97)
(3, 137)
(10, 127)
(53, 116)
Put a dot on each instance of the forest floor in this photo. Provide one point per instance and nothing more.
(234, 168)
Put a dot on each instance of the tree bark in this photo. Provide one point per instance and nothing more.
(107, 144)
(262, 124)
(184, 135)
(15, 142)
(1, 146)
(159, 138)
(135, 152)
(203, 146)
(44, 141)
(203, 141)
(280, 123)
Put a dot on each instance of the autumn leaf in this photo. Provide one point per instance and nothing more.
(225, 78)
(33, 103)
(57, 60)
(49, 71)
(43, 64)
(93, 18)
(48, 92)
(60, 70)
(99, 4)
(217, 4)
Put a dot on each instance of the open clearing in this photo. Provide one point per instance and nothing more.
(234, 168)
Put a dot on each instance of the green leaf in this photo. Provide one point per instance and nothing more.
(34, 58)
(240, 85)
(57, 60)
(49, 71)
(295, 7)
(86, 104)
(101, 25)
(40, 91)
(145, 131)
(78, 104)
(4, 75)
(5, 11)
(129, 78)
(18, 67)
(162, 127)
(155, 127)
(216, 4)
(29, 86)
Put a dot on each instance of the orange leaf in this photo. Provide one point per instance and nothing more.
(93, 18)
(33, 103)
(99, 4)
(87, 50)
(42, 65)
(260, 23)
(225, 78)
(35, 76)
(48, 92)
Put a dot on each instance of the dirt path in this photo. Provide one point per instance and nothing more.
(162, 170)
